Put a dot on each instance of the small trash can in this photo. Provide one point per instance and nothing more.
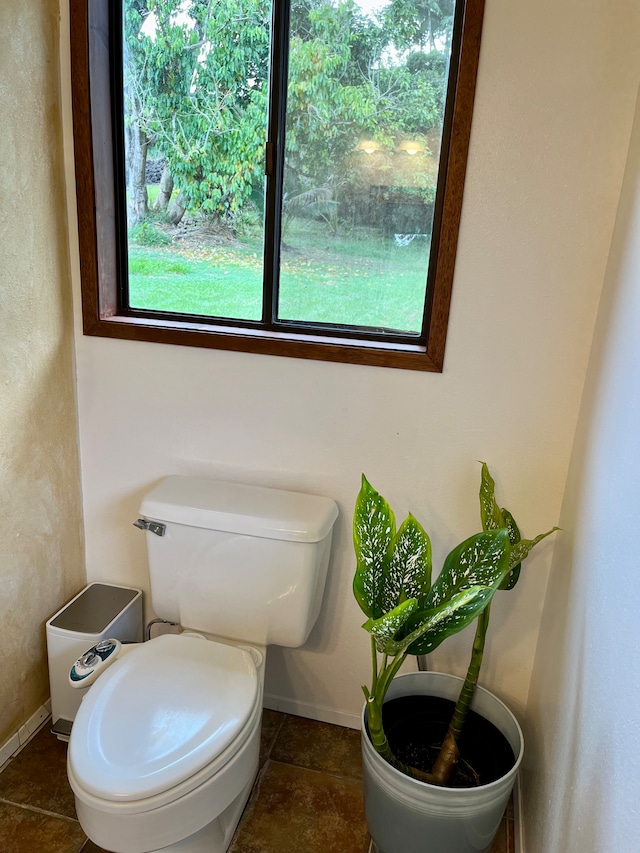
(101, 610)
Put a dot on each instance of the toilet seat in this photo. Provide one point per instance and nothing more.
(172, 709)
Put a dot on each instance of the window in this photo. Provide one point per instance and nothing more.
(282, 179)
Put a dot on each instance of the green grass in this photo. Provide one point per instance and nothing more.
(354, 279)
(150, 264)
(226, 285)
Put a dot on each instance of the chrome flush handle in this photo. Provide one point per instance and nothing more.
(152, 526)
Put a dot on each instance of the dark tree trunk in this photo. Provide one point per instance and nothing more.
(165, 189)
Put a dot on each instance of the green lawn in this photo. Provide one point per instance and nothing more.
(353, 280)
(227, 284)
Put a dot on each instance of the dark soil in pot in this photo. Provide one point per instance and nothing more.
(416, 725)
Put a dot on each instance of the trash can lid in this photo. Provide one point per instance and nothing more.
(94, 609)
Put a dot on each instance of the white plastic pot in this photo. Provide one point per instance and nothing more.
(405, 815)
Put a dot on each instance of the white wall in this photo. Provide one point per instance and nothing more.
(583, 717)
(553, 115)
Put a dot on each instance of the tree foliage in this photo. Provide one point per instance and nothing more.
(425, 23)
(196, 87)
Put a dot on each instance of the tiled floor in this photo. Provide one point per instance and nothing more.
(307, 797)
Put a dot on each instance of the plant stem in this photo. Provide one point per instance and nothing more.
(375, 700)
(379, 687)
(374, 663)
(449, 755)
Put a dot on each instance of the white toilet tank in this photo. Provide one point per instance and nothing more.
(240, 562)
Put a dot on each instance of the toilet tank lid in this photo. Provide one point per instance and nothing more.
(239, 508)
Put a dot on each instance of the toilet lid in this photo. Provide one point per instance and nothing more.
(160, 714)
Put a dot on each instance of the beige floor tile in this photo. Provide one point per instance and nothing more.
(501, 841)
(295, 810)
(27, 831)
(319, 746)
(90, 847)
(271, 724)
(37, 776)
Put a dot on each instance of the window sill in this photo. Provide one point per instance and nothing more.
(319, 348)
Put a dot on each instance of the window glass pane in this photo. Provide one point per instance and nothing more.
(195, 104)
(366, 93)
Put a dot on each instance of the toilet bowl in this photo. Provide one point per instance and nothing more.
(164, 748)
(168, 737)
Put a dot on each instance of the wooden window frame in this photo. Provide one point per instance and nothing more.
(97, 230)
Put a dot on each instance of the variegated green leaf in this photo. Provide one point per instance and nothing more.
(521, 550)
(512, 576)
(384, 629)
(489, 510)
(431, 627)
(463, 609)
(374, 528)
(409, 568)
(481, 560)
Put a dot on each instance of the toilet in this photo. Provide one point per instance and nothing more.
(164, 748)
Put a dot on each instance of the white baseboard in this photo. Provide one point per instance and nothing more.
(518, 828)
(24, 734)
(312, 712)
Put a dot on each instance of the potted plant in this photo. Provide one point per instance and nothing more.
(422, 792)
